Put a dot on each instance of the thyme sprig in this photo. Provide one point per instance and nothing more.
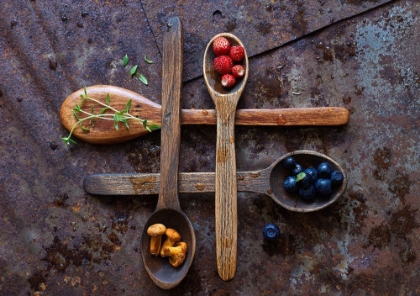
(118, 116)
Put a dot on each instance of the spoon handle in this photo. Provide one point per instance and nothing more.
(226, 213)
(148, 183)
(172, 63)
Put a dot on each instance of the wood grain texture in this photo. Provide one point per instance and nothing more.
(172, 62)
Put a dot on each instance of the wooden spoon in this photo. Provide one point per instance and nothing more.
(268, 181)
(226, 215)
(168, 210)
(104, 131)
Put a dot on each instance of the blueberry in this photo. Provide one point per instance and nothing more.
(290, 184)
(323, 186)
(289, 163)
(271, 232)
(324, 170)
(308, 193)
(297, 169)
(303, 180)
(336, 178)
(312, 172)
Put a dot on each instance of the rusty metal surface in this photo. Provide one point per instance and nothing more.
(56, 239)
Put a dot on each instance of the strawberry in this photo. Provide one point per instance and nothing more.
(221, 46)
(228, 80)
(237, 53)
(238, 71)
(223, 64)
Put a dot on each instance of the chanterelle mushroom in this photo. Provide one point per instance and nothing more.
(176, 254)
(156, 231)
(172, 236)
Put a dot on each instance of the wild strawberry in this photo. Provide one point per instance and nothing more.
(228, 80)
(237, 53)
(238, 71)
(223, 64)
(221, 46)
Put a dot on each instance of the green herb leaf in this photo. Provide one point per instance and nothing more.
(143, 79)
(128, 105)
(68, 140)
(85, 90)
(108, 99)
(84, 128)
(147, 61)
(133, 70)
(103, 110)
(153, 127)
(116, 120)
(300, 176)
(125, 60)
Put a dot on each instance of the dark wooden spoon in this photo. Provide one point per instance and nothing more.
(168, 210)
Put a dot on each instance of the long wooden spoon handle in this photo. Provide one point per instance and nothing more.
(226, 213)
(172, 63)
(319, 116)
(148, 183)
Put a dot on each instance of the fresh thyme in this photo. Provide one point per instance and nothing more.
(117, 116)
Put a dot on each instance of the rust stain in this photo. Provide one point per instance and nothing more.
(200, 187)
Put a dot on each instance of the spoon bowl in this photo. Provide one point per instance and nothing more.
(159, 268)
(292, 201)
(212, 78)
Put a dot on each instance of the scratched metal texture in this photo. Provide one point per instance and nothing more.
(55, 239)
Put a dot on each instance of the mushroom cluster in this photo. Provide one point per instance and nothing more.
(172, 246)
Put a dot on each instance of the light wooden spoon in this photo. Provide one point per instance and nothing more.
(226, 215)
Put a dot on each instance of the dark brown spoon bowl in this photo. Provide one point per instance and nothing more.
(159, 268)
(292, 201)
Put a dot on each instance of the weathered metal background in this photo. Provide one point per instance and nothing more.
(57, 240)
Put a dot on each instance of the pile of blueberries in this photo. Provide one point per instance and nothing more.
(311, 182)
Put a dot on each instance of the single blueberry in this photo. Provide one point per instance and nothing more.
(312, 173)
(336, 178)
(308, 193)
(297, 169)
(324, 170)
(290, 184)
(289, 163)
(323, 186)
(303, 180)
(271, 232)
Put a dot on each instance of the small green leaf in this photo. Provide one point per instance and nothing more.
(125, 120)
(108, 99)
(147, 60)
(116, 120)
(128, 105)
(153, 127)
(145, 123)
(103, 110)
(77, 108)
(125, 60)
(68, 140)
(84, 128)
(143, 79)
(133, 70)
(300, 176)
(85, 90)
